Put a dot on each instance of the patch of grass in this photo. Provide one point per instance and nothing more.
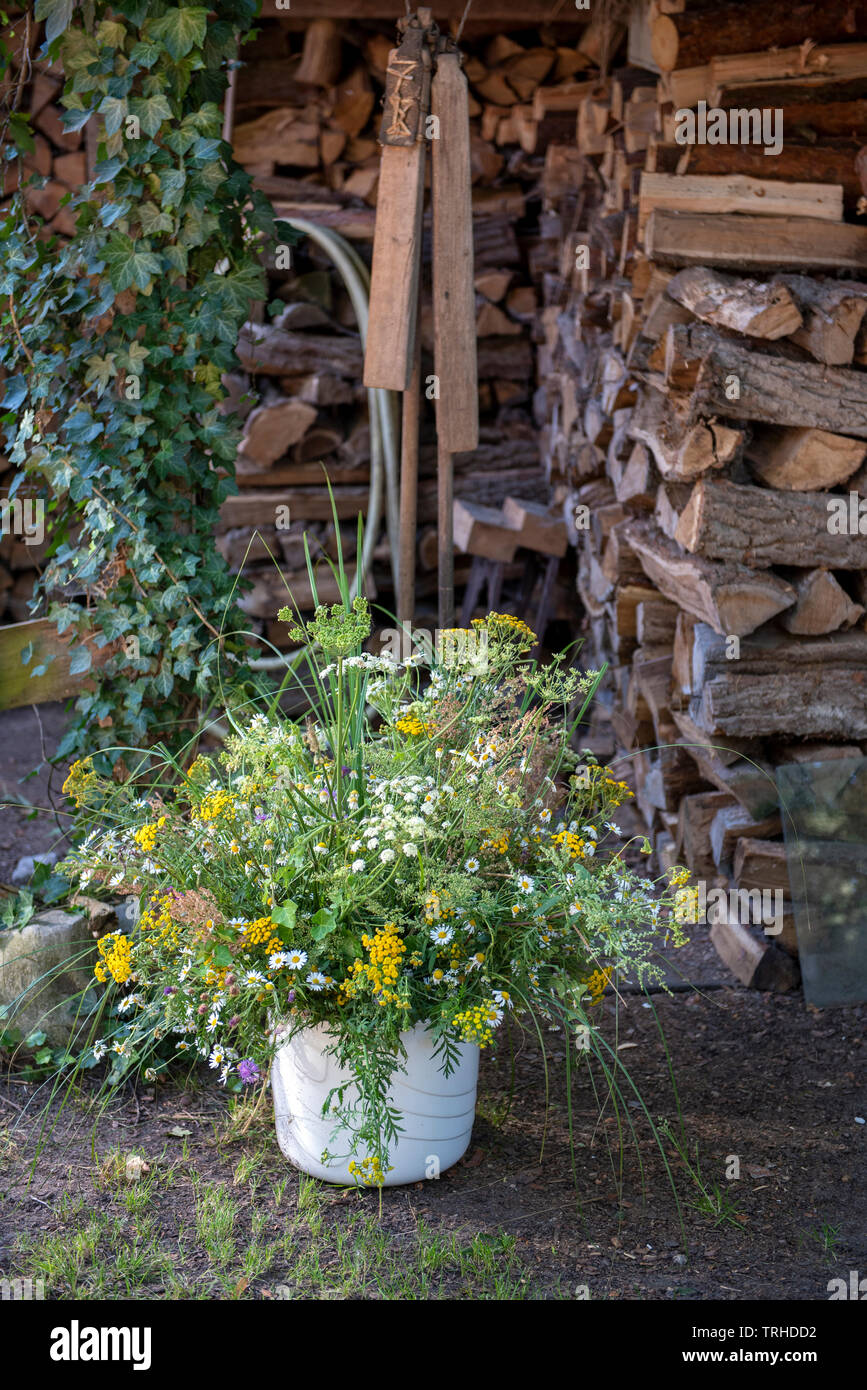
(825, 1237)
(711, 1199)
(216, 1213)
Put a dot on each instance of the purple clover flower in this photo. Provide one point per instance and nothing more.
(248, 1071)
(170, 989)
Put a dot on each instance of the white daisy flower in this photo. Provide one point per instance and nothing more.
(503, 998)
(276, 960)
(493, 1015)
(545, 815)
(321, 848)
(316, 980)
(295, 959)
(472, 866)
(442, 935)
(526, 884)
(217, 1058)
(253, 977)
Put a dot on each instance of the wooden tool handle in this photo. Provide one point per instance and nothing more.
(453, 291)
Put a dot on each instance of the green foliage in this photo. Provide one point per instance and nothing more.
(113, 346)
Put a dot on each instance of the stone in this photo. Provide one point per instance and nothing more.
(26, 867)
(46, 975)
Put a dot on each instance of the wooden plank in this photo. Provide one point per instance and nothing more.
(732, 193)
(394, 275)
(754, 243)
(501, 12)
(455, 361)
(18, 687)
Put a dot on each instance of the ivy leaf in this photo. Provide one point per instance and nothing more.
(16, 392)
(127, 266)
(110, 34)
(180, 30)
(114, 110)
(80, 661)
(106, 170)
(153, 221)
(100, 370)
(177, 258)
(144, 54)
(20, 134)
(75, 117)
(57, 15)
(172, 183)
(151, 111)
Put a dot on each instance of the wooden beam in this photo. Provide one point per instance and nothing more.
(532, 12)
(19, 687)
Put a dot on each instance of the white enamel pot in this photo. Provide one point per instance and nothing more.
(436, 1111)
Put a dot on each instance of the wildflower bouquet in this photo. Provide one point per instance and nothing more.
(421, 848)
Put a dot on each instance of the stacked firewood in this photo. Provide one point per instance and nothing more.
(707, 428)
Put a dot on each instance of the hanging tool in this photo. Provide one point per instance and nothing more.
(397, 240)
(454, 300)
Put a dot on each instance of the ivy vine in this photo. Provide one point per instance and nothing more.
(113, 348)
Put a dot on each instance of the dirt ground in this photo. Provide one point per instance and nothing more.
(218, 1214)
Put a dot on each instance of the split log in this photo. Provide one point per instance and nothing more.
(733, 823)
(353, 102)
(681, 451)
(798, 161)
(693, 829)
(279, 137)
(272, 352)
(730, 598)
(809, 687)
(770, 387)
(271, 430)
(826, 62)
(750, 783)
(822, 606)
(671, 498)
(707, 194)
(833, 312)
(754, 243)
(803, 460)
(762, 864)
(747, 306)
(536, 527)
(321, 55)
(754, 959)
(760, 527)
(481, 531)
(655, 620)
(695, 37)
(635, 484)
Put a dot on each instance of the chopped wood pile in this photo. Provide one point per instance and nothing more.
(707, 431)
